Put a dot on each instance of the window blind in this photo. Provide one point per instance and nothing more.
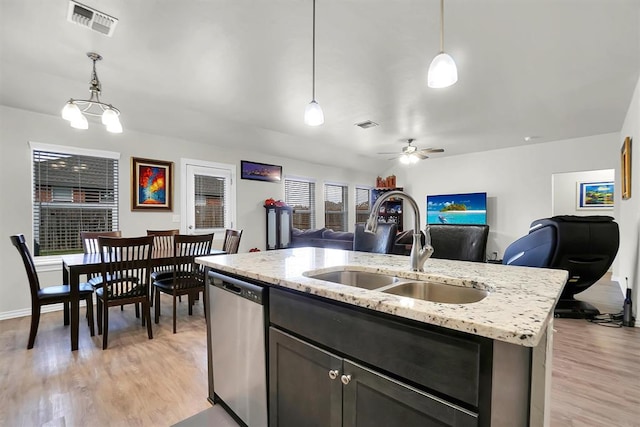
(335, 202)
(363, 204)
(71, 193)
(300, 195)
(211, 199)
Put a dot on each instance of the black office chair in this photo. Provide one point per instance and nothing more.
(585, 246)
(381, 242)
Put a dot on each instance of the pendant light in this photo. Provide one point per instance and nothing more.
(442, 71)
(76, 110)
(313, 115)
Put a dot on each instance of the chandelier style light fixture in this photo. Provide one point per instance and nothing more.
(75, 110)
(442, 71)
(313, 115)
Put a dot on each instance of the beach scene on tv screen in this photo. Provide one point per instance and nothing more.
(468, 208)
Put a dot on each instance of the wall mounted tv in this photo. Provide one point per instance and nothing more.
(470, 208)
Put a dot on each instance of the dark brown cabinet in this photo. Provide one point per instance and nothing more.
(391, 210)
(313, 387)
(279, 224)
(320, 369)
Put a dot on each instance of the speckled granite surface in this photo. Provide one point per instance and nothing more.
(517, 309)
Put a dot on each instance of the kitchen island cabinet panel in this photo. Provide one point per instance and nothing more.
(313, 387)
(300, 390)
(440, 362)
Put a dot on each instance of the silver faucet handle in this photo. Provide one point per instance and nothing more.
(427, 235)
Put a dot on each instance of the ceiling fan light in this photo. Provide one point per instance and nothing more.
(115, 126)
(71, 112)
(80, 122)
(313, 115)
(109, 116)
(442, 71)
(413, 159)
(404, 159)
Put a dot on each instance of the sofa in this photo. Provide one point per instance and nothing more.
(321, 238)
(462, 242)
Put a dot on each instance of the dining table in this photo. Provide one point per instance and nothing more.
(74, 266)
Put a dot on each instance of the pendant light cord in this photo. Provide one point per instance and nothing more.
(441, 26)
(313, 67)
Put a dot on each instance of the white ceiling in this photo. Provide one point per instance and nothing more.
(238, 72)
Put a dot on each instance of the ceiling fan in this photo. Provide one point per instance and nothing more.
(411, 154)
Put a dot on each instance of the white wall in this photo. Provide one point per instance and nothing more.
(517, 180)
(629, 216)
(566, 192)
(18, 127)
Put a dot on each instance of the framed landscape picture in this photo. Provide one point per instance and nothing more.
(260, 171)
(151, 185)
(595, 195)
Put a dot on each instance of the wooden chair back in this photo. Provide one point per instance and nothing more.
(126, 264)
(163, 239)
(34, 284)
(231, 241)
(186, 272)
(90, 239)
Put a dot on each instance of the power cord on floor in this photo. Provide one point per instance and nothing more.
(611, 320)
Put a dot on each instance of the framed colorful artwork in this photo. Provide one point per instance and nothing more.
(595, 195)
(151, 185)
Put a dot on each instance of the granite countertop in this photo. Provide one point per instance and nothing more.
(519, 305)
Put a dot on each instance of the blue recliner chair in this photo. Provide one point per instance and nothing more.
(585, 246)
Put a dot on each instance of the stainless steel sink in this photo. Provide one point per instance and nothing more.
(437, 292)
(360, 279)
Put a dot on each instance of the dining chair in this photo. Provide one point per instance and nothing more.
(187, 276)
(162, 241)
(126, 267)
(231, 241)
(90, 246)
(50, 294)
(90, 239)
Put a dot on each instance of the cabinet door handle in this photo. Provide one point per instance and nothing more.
(333, 374)
(346, 379)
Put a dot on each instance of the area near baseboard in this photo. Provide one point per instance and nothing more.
(27, 311)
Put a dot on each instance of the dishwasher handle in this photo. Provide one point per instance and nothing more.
(232, 288)
(236, 286)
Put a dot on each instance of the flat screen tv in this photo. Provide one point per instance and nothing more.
(470, 208)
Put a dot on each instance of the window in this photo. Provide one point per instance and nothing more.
(335, 207)
(73, 190)
(363, 204)
(300, 195)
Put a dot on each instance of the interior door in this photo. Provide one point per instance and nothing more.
(209, 205)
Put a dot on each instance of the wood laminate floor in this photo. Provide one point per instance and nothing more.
(160, 382)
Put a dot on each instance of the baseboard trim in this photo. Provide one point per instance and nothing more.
(27, 311)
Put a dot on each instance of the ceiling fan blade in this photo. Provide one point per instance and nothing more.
(420, 155)
(392, 158)
(431, 150)
(392, 152)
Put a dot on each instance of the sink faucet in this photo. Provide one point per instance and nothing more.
(419, 254)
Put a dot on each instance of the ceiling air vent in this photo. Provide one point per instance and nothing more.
(366, 124)
(91, 18)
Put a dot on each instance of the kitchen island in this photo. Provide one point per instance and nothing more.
(485, 363)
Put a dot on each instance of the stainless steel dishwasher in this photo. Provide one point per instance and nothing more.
(237, 339)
